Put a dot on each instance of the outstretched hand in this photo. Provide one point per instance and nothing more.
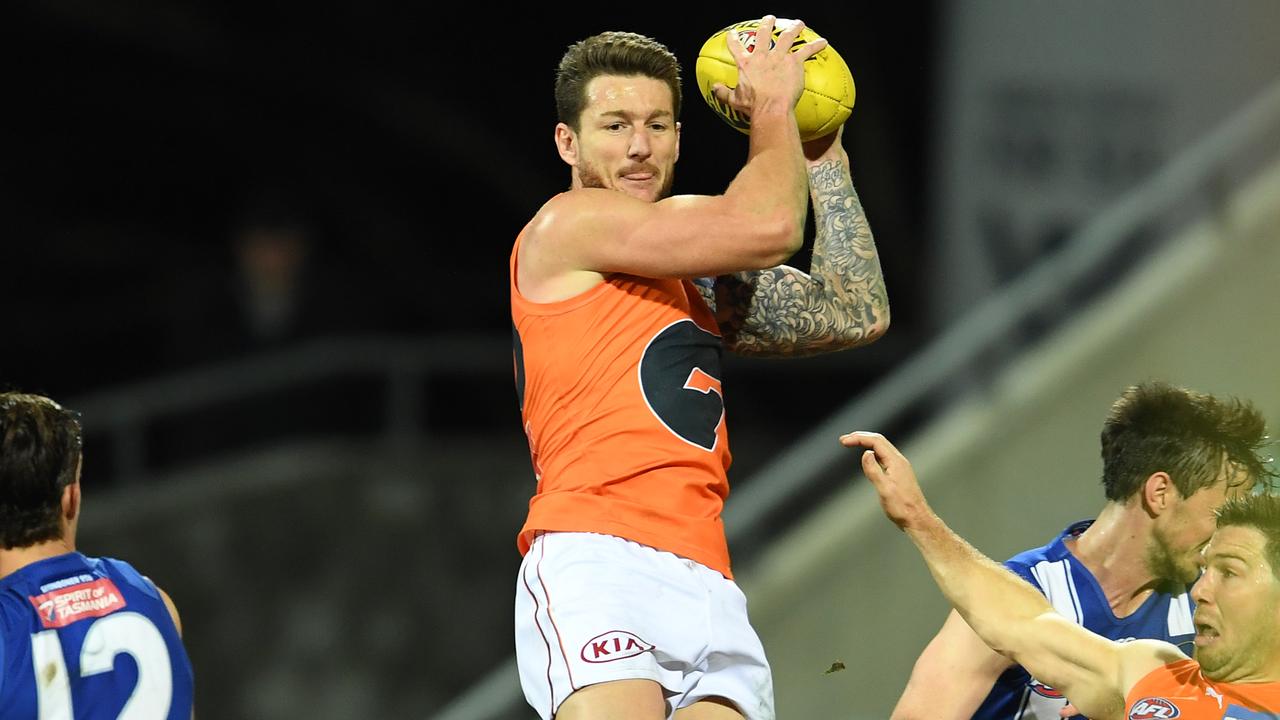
(768, 73)
(891, 474)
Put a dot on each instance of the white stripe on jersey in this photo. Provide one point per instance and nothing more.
(1058, 586)
(1180, 622)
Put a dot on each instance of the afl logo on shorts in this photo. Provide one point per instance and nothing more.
(614, 645)
(1153, 709)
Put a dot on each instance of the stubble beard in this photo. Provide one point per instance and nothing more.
(1211, 661)
(1164, 567)
(589, 177)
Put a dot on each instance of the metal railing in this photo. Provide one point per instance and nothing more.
(125, 413)
(796, 470)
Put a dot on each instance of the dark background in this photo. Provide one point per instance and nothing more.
(409, 145)
(416, 144)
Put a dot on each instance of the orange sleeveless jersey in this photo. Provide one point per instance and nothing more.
(1180, 690)
(622, 404)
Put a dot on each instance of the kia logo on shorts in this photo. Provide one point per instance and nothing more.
(614, 645)
(1153, 709)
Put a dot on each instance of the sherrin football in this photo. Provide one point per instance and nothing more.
(828, 94)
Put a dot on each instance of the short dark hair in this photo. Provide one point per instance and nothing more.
(611, 53)
(39, 456)
(1260, 511)
(1157, 427)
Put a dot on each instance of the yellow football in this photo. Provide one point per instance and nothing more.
(828, 94)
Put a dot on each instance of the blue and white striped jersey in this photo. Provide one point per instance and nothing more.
(1075, 593)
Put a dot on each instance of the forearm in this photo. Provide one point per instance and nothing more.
(841, 303)
(773, 185)
(845, 261)
(997, 604)
(1010, 615)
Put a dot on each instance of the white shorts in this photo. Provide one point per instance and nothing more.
(593, 608)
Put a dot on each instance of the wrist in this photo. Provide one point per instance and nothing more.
(921, 520)
(825, 150)
(840, 157)
(771, 110)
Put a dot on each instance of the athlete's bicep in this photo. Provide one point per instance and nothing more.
(1140, 657)
(1094, 673)
(685, 236)
(1085, 667)
(782, 311)
(956, 665)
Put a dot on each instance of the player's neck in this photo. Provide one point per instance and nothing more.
(13, 560)
(1113, 549)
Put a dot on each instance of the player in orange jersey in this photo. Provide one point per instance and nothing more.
(1125, 574)
(622, 299)
(1236, 673)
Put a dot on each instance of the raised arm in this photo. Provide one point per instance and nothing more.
(757, 222)
(1008, 614)
(956, 665)
(841, 303)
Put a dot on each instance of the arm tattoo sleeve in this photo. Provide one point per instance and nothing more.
(841, 303)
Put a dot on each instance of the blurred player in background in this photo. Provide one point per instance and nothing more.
(1170, 458)
(1236, 673)
(80, 637)
(622, 300)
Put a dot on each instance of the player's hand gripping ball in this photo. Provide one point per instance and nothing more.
(824, 105)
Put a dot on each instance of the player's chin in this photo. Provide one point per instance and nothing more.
(1209, 654)
(639, 191)
(1188, 572)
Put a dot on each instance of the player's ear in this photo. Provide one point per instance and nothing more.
(1159, 493)
(567, 144)
(677, 156)
(71, 501)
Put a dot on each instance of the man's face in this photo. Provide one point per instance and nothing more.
(1181, 534)
(628, 138)
(1237, 607)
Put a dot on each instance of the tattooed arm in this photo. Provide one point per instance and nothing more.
(841, 303)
